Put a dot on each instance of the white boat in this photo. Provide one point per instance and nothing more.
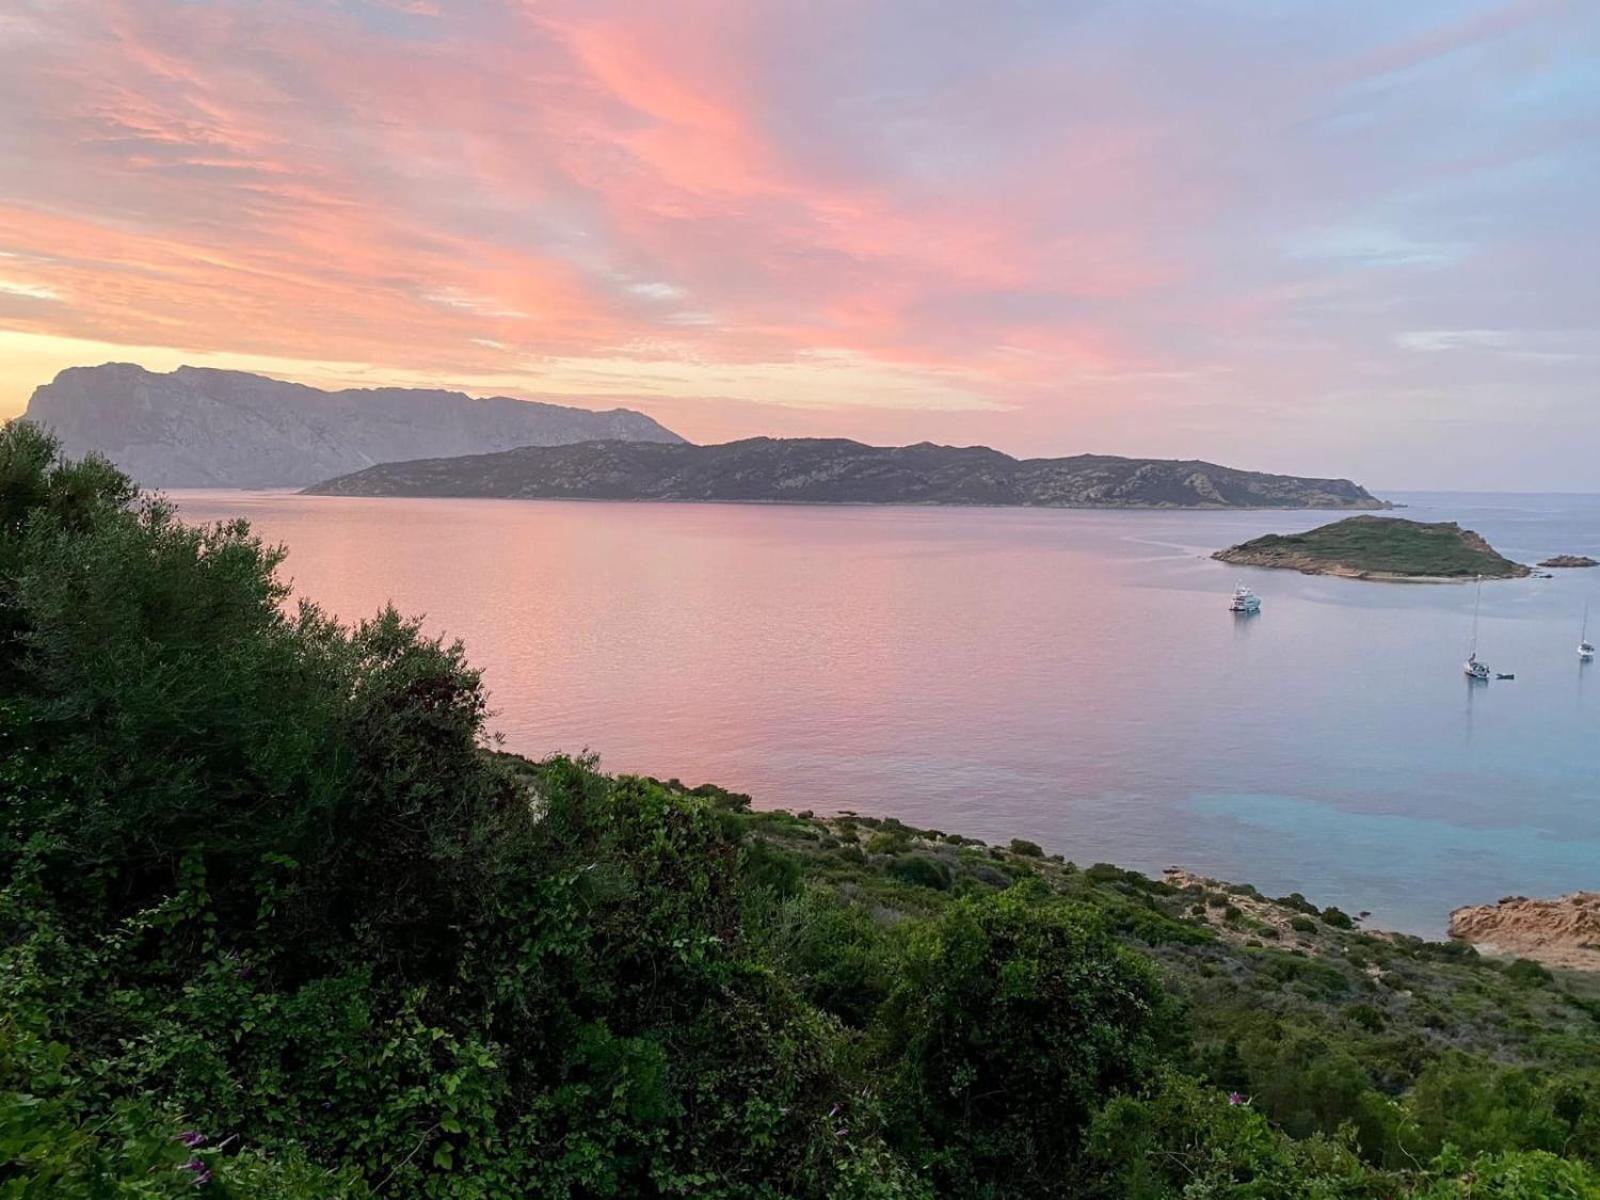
(1244, 601)
(1476, 671)
(1585, 646)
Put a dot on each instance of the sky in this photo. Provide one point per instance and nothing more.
(1357, 239)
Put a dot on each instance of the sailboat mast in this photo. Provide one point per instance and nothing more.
(1477, 597)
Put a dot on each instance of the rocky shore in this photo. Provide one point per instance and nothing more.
(1564, 932)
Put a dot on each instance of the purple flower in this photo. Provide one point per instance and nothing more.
(192, 1138)
(1235, 1099)
(202, 1173)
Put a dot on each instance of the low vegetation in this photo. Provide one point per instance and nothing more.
(277, 920)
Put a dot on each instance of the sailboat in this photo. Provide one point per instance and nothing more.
(1476, 670)
(1585, 646)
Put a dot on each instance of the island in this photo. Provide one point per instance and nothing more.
(198, 427)
(1570, 560)
(840, 471)
(1379, 548)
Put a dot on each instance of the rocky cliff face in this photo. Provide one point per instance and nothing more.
(1560, 933)
(202, 428)
(833, 470)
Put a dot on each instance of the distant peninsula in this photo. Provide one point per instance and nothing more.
(1381, 548)
(838, 471)
(196, 427)
(1570, 560)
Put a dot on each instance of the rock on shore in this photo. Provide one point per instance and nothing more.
(1558, 933)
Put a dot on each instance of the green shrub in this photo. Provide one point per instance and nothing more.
(1451, 951)
(1030, 849)
(888, 842)
(1365, 1016)
(838, 956)
(1336, 918)
(1528, 973)
(767, 867)
(920, 870)
(1299, 903)
(1009, 1022)
(1106, 873)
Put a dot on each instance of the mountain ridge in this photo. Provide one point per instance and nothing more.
(838, 470)
(204, 427)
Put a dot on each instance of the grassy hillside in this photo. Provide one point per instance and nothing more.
(1386, 547)
(276, 920)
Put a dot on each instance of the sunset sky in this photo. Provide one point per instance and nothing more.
(1343, 238)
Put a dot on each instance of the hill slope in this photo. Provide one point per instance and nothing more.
(835, 470)
(196, 427)
(1378, 548)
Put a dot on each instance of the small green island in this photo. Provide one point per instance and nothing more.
(1379, 548)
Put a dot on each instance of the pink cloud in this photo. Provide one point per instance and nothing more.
(1087, 221)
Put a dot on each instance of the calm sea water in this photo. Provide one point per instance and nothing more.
(1066, 676)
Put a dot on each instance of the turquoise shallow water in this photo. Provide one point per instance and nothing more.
(1070, 677)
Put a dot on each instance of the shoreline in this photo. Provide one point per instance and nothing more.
(1338, 571)
(773, 503)
(1248, 919)
(1237, 914)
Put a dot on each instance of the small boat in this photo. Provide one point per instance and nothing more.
(1585, 646)
(1476, 671)
(1244, 601)
(1504, 675)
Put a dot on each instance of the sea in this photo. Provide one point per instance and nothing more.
(1072, 677)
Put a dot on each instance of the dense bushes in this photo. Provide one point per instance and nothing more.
(1009, 1022)
(276, 920)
